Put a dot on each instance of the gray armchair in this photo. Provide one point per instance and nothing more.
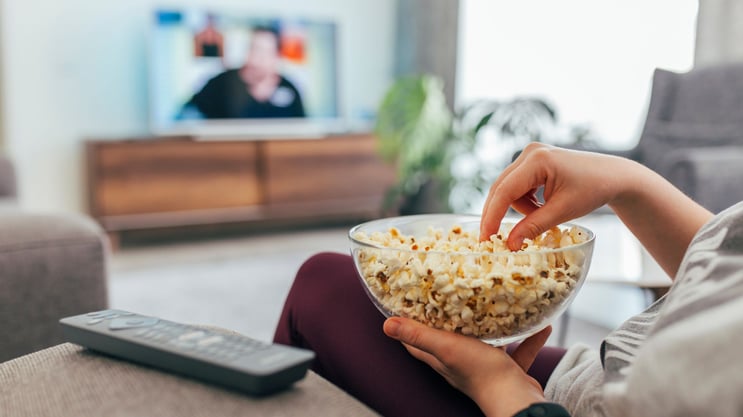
(51, 266)
(693, 133)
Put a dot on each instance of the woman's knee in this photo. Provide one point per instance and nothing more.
(325, 267)
(324, 275)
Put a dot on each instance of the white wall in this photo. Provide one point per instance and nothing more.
(592, 59)
(77, 69)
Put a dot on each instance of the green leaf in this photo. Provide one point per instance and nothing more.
(483, 122)
(413, 125)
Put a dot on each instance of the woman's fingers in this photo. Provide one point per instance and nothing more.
(516, 187)
(425, 357)
(539, 221)
(527, 203)
(427, 344)
(510, 189)
(413, 333)
(568, 191)
(527, 351)
(475, 368)
(495, 207)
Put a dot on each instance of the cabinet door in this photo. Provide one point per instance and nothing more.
(332, 169)
(172, 175)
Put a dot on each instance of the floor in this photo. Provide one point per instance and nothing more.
(240, 283)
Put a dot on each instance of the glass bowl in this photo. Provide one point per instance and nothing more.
(431, 268)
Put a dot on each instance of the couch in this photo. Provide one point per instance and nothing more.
(51, 265)
(693, 133)
(69, 381)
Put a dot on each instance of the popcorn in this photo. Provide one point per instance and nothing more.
(450, 280)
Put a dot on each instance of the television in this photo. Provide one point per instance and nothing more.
(217, 74)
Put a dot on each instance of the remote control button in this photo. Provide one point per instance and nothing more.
(103, 314)
(122, 323)
(272, 358)
(210, 340)
(182, 345)
(191, 335)
(94, 321)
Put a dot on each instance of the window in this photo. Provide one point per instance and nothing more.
(592, 60)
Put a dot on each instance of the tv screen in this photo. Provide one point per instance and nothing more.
(222, 73)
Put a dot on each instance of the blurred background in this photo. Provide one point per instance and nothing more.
(79, 70)
(568, 72)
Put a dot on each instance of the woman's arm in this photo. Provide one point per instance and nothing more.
(576, 183)
(662, 217)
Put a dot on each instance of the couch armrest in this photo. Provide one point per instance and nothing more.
(7, 179)
(67, 380)
(711, 176)
(51, 266)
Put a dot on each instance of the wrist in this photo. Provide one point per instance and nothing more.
(508, 405)
(637, 184)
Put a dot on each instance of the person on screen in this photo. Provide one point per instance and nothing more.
(255, 90)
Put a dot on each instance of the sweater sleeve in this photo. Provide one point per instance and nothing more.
(690, 368)
(576, 382)
(681, 356)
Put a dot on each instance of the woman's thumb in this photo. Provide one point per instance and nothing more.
(533, 225)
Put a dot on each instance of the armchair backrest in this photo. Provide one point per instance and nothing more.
(699, 108)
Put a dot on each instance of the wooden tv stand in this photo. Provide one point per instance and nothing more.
(156, 183)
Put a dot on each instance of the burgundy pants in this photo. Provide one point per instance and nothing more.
(328, 312)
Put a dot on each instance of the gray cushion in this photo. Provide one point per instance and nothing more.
(51, 266)
(661, 138)
(67, 380)
(662, 94)
(702, 107)
(711, 175)
(710, 95)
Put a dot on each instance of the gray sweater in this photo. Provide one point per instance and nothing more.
(680, 357)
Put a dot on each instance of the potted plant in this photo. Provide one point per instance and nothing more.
(445, 160)
(414, 127)
(487, 136)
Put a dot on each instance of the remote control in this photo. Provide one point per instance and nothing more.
(234, 361)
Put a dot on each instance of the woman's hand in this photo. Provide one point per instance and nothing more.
(497, 382)
(575, 183)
